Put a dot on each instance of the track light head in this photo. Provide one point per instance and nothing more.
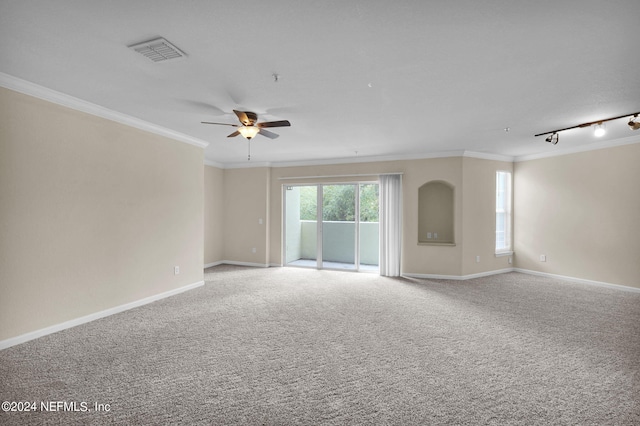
(553, 138)
(599, 130)
(634, 125)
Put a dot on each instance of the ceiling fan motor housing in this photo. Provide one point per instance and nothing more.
(252, 116)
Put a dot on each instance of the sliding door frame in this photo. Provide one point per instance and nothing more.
(319, 221)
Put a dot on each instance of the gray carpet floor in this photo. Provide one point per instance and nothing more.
(286, 346)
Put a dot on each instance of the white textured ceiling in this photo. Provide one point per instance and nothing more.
(389, 79)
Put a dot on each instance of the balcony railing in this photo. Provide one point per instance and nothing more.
(338, 242)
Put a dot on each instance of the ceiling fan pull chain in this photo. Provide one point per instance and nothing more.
(249, 155)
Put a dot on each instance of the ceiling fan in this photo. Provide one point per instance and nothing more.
(249, 126)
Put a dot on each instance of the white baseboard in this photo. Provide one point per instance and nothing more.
(523, 271)
(578, 280)
(92, 317)
(457, 277)
(233, 262)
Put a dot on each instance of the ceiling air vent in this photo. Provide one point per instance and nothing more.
(158, 50)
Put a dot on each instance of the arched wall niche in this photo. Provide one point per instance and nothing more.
(436, 213)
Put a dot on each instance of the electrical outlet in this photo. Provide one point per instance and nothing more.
(477, 259)
(428, 235)
(510, 260)
(259, 221)
(435, 235)
(253, 250)
(176, 270)
(543, 258)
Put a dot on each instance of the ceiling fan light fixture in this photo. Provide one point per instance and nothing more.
(249, 127)
(248, 132)
(598, 130)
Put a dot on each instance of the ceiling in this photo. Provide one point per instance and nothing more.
(357, 79)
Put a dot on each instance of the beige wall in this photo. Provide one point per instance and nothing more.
(213, 215)
(431, 259)
(94, 214)
(246, 203)
(583, 212)
(479, 218)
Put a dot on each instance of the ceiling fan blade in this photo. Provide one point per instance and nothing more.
(247, 118)
(204, 106)
(234, 134)
(220, 124)
(281, 123)
(268, 134)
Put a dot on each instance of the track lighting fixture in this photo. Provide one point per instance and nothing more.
(598, 129)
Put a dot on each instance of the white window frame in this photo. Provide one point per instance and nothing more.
(503, 204)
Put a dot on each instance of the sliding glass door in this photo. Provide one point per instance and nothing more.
(339, 226)
(331, 226)
(300, 225)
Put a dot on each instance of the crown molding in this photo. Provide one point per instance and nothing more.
(468, 154)
(213, 164)
(28, 88)
(370, 159)
(629, 140)
(486, 156)
(247, 165)
(445, 154)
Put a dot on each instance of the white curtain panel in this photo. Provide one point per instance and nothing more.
(390, 224)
